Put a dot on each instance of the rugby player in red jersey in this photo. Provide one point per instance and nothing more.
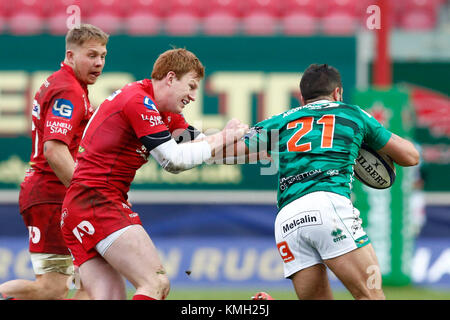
(104, 235)
(61, 110)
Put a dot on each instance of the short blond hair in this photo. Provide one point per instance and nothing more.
(85, 32)
(180, 61)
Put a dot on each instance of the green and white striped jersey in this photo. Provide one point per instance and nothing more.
(315, 146)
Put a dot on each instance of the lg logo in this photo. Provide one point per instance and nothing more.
(82, 228)
(34, 234)
(63, 108)
(285, 252)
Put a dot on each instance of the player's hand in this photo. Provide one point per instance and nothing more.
(234, 130)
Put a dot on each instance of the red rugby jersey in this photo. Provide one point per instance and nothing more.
(110, 151)
(61, 110)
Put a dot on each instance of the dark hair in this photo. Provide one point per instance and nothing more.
(319, 80)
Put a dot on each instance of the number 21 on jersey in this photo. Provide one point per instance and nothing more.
(306, 125)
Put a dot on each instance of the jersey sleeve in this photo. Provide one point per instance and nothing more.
(144, 116)
(66, 109)
(175, 121)
(258, 138)
(376, 136)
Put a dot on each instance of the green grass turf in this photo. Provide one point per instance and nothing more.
(392, 293)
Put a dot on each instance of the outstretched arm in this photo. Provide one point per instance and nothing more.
(175, 157)
(239, 153)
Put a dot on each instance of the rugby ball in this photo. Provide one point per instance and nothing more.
(374, 169)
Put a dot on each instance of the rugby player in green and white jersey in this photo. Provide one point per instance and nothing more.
(315, 147)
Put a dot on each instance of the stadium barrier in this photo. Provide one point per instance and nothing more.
(223, 246)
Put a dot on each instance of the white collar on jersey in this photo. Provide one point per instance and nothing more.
(320, 101)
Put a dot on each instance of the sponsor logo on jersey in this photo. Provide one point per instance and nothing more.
(63, 108)
(289, 112)
(360, 242)
(333, 172)
(154, 120)
(113, 95)
(285, 252)
(83, 228)
(311, 106)
(323, 105)
(34, 234)
(149, 104)
(36, 112)
(303, 219)
(286, 182)
(59, 127)
(337, 235)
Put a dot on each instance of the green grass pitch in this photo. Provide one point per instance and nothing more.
(392, 293)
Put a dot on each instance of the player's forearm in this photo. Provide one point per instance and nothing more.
(402, 151)
(248, 158)
(60, 160)
(217, 142)
(176, 158)
(238, 153)
(226, 140)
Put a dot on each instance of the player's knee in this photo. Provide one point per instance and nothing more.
(164, 285)
(158, 287)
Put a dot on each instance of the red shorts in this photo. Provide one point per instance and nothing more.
(89, 215)
(43, 223)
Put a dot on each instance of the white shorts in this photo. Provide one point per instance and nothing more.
(318, 226)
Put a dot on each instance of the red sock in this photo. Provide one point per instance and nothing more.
(142, 297)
